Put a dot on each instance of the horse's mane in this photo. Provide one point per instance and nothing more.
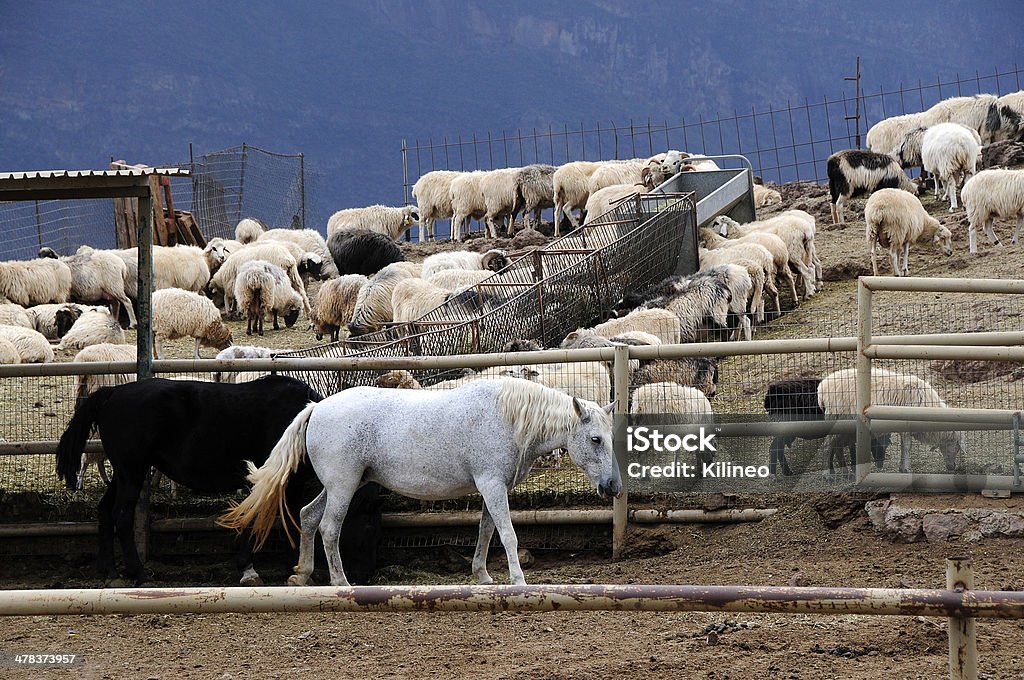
(536, 412)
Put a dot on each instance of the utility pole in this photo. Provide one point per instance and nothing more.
(856, 99)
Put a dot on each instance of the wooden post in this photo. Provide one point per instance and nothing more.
(963, 630)
(144, 342)
(620, 506)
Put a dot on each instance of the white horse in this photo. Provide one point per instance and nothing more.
(430, 445)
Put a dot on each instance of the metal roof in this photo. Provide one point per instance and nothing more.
(126, 172)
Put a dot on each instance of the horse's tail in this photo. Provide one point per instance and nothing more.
(72, 442)
(267, 498)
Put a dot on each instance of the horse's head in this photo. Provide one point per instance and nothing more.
(590, 446)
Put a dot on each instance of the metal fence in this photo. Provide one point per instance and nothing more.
(225, 185)
(785, 142)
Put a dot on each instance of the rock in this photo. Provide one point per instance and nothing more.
(944, 526)
(526, 558)
(1014, 525)
(876, 513)
(903, 525)
(712, 638)
(995, 523)
(799, 580)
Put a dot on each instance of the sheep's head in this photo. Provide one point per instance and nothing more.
(291, 316)
(723, 223)
(46, 252)
(64, 319)
(401, 380)
(217, 335)
(943, 240)
(521, 345)
(312, 265)
(412, 216)
(495, 260)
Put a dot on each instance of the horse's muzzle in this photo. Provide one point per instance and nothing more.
(610, 487)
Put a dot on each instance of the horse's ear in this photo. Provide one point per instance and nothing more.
(581, 410)
(610, 408)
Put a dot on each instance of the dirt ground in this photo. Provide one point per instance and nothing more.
(792, 547)
(795, 546)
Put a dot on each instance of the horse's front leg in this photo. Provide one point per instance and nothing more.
(309, 520)
(483, 543)
(496, 499)
(105, 554)
(243, 560)
(127, 497)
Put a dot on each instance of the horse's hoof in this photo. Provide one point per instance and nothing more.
(484, 580)
(297, 580)
(114, 583)
(253, 580)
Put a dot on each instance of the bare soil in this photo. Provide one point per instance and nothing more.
(818, 541)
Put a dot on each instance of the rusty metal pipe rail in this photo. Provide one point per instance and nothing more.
(663, 598)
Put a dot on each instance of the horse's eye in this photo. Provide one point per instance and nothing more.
(596, 440)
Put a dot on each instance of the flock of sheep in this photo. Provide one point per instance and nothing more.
(961, 142)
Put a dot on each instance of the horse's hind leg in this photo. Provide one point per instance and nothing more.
(309, 520)
(127, 497)
(483, 543)
(496, 498)
(338, 500)
(243, 560)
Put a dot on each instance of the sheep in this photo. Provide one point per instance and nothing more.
(979, 112)
(612, 173)
(310, 241)
(271, 251)
(637, 338)
(1011, 114)
(248, 230)
(853, 172)
(583, 380)
(759, 264)
(433, 194)
(361, 251)
(772, 243)
(499, 191)
(676, 405)
(796, 228)
(660, 323)
(886, 136)
(241, 352)
(467, 201)
(15, 315)
(571, 186)
(217, 250)
(103, 352)
(373, 306)
(9, 354)
(534, 192)
(381, 219)
(35, 282)
(399, 380)
(894, 219)
(991, 194)
(335, 303)
(93, 327)
(603, 200)
(32, 347)
(412, 298)
(55, 320)
(698, 372)
(837, 398)
(181, 313)
(1005, 154)
(173, 267)
(707, 299)
(263, 288)
(97, 276)
(310, 265)
(763, 196)
(456, 279)
(950, 152)
(493, 260)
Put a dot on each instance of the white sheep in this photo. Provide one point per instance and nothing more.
(894, 219)
(32, 347)
(263, 288)
(1011, 113)
(272, 251)
(412, 298)
(760, 265)
(676, 161)
(661, 323)
(217, 250)
(373, 306)
(181, 313)
(763, 196)
(242, 352)
(583, 380)
(950, 151)
(103, 352)
(772, 243)
(433, 194)
(605, 199)
(493, 260)
(467, 201)
(54, 320)
(335, 303)
(612, 173)
(571, 186)
(674, 399)
(9, 354)
(15, 315)
(382, 219)
(796, 228)
(456, 279)
(97, 276)
(35, 282)
(249, 229)
(310, 241)
(93, 327)
(499, 190)
(979, 112)
(990, 194)
(837, 394)
(182, 267)
(853, 172)
(887, 135)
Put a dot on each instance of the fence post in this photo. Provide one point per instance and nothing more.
(302, 188)
(144, 369)
(963, 639)
(620, 506)
(405, 183)
(863, 385)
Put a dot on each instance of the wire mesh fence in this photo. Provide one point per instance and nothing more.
(785, 142)
(225, 186)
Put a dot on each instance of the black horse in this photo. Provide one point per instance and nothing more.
(198, 434)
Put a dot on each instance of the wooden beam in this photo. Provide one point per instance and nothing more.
(57, 193)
